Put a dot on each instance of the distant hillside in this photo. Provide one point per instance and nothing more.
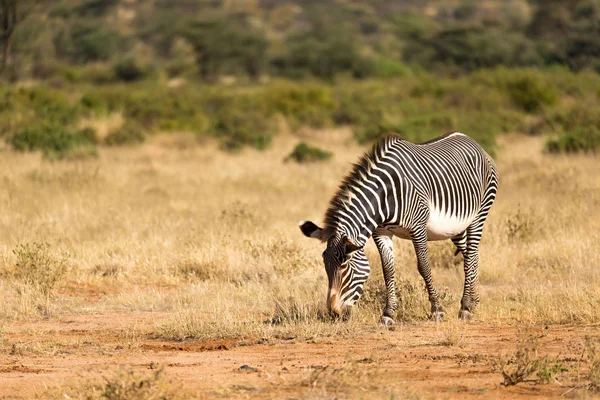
(212, 39)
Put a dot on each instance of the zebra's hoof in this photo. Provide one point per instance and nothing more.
(437, 315)
(387, 321)
(465, 315)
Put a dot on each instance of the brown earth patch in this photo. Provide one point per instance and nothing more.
(409, 361)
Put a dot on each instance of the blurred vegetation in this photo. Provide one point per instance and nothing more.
(303, 153)
(235, 69)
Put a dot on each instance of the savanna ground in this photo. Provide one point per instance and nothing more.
(177, 270)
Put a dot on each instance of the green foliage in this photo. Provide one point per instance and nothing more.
(39, 103)
(303, 153)
(304, 39)
(37, 267)
(582, 140)
(129, 70)
(240, 121)
(309, 105)
(164, 110)
(96, 8)
(548, 370)
(55, 141)
(531, 94)
(520, 365)
(418, 107)
(525, 361)
(90, 42)
(226, 45)
(577, 129)
(128, 134)
(324, 54)
(360, 104)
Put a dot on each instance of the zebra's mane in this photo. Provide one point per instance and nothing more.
(360, 170)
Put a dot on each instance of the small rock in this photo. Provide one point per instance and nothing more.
(247, 368)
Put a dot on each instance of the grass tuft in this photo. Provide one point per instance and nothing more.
(37, 267)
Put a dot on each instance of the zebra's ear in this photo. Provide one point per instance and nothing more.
(311, 230)
(350, 247)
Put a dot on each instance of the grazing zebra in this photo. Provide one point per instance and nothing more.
(440, 189)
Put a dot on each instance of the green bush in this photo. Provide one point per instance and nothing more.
(54, 141)
(89, 41)
(530, 93)
(309, 105)
(415, 129)
(128, 134)
(94, 103)
(303, 153)
(237, 129)
(582, 140)
(240, 119)
(360, 104)
(48, 105)
(129, 70)
(165, 110)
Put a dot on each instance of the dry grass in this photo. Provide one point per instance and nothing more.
(212, 239)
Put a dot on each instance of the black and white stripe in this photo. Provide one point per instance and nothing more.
(441, 189)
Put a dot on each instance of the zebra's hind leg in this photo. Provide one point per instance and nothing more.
(460, 241)
(470, 297)
(419, 239)
(383, 240)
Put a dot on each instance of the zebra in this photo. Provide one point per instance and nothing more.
(440, 189)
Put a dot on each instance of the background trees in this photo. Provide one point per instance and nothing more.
(296, 38)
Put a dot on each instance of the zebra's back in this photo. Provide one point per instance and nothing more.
(450, 174)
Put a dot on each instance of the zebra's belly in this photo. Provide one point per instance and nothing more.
(442, 226)
(439, 226)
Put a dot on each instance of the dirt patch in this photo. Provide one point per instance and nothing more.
(411, 360)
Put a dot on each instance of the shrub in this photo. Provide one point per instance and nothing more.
(54, 141)
(49, 105)
(240, 120)
(522, 364)
(388, 68)
(415, 129)
(92, 102)
(127, 385)
(530, 94)
(303, 153)
(92, 42)
(172, 110)
(37, 267)
(581, 140)
(525, 361)
(360, 104)
(129, 70)
(548, 370)
(128, 134)
(309, 105)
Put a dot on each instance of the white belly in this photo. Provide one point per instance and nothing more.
(442, 226)
(439, 226)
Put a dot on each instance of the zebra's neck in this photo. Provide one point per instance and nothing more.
(359, 206)
(357, 216)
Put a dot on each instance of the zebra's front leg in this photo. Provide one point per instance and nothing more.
(419, 239)
(383, 240)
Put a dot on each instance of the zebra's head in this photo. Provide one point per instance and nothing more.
(346, 265)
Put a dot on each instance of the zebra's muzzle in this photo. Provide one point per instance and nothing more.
(336, 307)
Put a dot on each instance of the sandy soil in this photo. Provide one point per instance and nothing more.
(66, 358)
